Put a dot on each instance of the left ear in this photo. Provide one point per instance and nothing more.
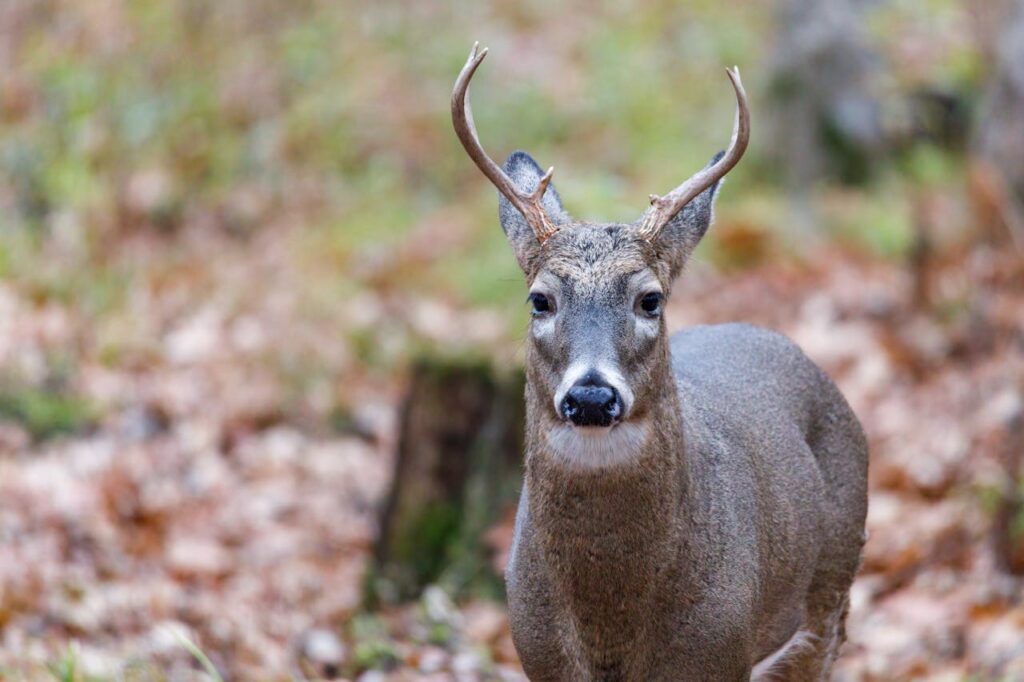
(680, 236)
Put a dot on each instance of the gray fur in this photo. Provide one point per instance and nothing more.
(680, 236)
(737, 521)
(525, 172)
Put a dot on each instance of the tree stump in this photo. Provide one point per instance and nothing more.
(1008, 526)
(459, 465)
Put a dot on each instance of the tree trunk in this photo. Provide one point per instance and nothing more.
(1008, 528)
(823, 116)
(458, 467)
(999, 135)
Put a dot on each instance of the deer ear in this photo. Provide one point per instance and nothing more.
(680, 236)
(525, 173)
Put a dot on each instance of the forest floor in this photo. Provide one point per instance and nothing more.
(212, 462)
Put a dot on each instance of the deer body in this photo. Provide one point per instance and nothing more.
(693, 508)
(697, 560)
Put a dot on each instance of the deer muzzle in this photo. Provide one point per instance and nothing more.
(591, 400)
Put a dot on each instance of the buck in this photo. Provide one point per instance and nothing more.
(693, 506)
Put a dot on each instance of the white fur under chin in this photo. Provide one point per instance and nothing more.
(596, 447)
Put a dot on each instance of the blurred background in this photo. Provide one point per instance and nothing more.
(261, 335)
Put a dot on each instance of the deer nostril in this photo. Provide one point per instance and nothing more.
(570, 407)
(613, 406)
(591, 405)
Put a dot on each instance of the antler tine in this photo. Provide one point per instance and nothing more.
(529, 204)
(663, 209)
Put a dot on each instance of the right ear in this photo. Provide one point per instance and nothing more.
(680, 236)
(525, 173)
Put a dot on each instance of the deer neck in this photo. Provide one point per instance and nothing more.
(607, 533)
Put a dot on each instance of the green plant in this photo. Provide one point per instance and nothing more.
(373, 647)
(45, 413)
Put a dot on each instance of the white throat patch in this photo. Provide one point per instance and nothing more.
(594, 447)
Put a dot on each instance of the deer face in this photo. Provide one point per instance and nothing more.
(596, 293)
(596, 304)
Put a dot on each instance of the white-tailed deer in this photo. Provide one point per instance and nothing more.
(693, 507)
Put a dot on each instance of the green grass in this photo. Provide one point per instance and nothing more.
(68, 668)
(198, 654)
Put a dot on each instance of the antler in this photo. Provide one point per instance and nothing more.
(529, 204)
(663, 209)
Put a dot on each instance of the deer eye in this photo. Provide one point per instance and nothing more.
(540, 304)
(650, 303)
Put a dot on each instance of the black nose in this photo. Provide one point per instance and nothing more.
(592, 402)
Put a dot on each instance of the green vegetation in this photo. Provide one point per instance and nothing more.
(372, 646)
(67, 667)
(45, 413)
(271, 114)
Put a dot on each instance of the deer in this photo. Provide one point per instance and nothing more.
(693, 507)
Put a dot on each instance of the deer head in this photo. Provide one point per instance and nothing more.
(597, 350)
